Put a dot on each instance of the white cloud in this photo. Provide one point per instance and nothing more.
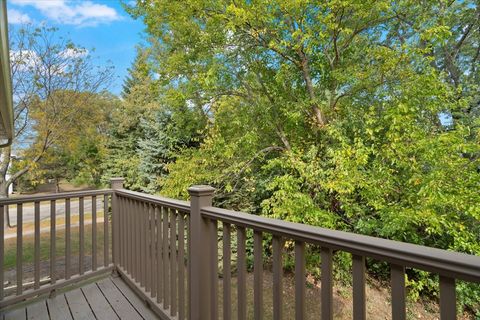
(17, 17)
(24, 60)
(85, 13)
(29, 61)
(74, 53)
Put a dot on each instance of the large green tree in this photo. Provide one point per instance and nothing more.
(148, 128)
(355, 115)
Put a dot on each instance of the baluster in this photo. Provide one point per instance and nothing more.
(138, 242)
(397, 275)
(143, 244)
(227, 272)
(82, 235)
(133, 239)
(158, 213)
(121, 225)
(19, 249)
(258, 275)
(94, 233)
(181, 266)
(106, 247)
(448, 300)
(36, 276)
(214, 267)
(166, 291)
(133, 263)
(148, 274)
(2, 250)
(277, 278)
(327, 284)
(123, 229)
(359, 302)
(130, 228)
(153, 255)
(299, 280)
(242, 274)
(173, 262)
(125, 234)
(53, 256)
(68, 248)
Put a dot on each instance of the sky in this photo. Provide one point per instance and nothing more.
(102, 25)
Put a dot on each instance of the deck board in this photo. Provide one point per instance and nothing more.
(19, 314)
(58, 308)
(78, 305)
(100, 306)
(105, 299)
(138, 304)
(38, 311)
(116, 299)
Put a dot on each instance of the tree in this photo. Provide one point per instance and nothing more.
(148, 129)
(77, 155)
(327, 113)
(50, 76)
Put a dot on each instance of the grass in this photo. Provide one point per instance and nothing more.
(29, 243)
(30, 226)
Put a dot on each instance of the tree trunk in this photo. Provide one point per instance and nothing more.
(317, 112)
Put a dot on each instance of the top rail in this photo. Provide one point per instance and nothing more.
(447, 263)
(55, 196)
(158, 200)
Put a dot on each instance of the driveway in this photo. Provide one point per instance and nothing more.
(29, 213)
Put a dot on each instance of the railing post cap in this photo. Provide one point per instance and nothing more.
(201, 190)
(117, 182)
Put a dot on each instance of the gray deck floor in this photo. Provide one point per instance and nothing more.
(109, 298)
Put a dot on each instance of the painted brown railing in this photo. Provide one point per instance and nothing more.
(56, 278)
(204, 226)
(173, 236)
(152, 249)
(168, 251)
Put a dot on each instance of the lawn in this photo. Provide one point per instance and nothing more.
(29, 246)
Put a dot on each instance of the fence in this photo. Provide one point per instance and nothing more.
(46, 209)
(169, 251)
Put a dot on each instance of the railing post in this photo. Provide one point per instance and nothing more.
(199, 254)
(115, 183)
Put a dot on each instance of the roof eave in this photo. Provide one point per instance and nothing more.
(6, 100)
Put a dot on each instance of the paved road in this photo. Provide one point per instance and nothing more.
(28, 209)
(29, 232)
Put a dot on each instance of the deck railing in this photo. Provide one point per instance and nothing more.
(152, 251)
(169, 251)
(50, 209)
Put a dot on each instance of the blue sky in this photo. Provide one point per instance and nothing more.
(102, 25)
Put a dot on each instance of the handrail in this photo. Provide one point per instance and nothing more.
(451, 264)
(168, 250)
(158, 200)
(59, 274)
(55, 196)
(152, 249)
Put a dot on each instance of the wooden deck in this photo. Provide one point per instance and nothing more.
(109, 298)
